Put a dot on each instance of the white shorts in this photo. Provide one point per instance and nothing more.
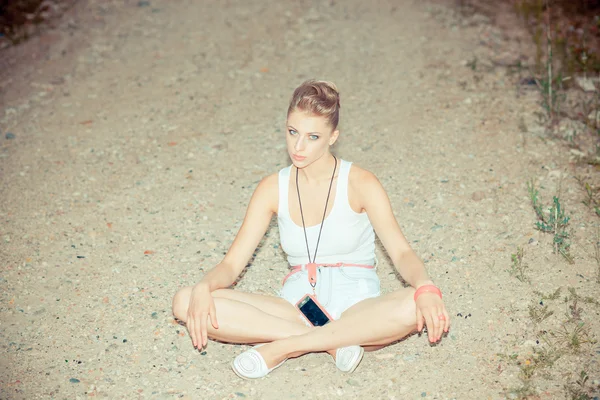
(337, 289)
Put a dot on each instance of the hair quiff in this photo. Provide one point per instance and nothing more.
(319, 98)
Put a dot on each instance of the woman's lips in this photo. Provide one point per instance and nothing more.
(297, 158)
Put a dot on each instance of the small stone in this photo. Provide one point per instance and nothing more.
(424, 394)
(577, 153)
(533, 242)
(352, 382)
(528, 81)
(9, 135)
(594, 116)
(478, 195)
(143, 3)
(74, 380)
(468, 100)
(554, 174)
(181, 360)
(240, 394)
(154, 315)
(587, 84)
(436, 227)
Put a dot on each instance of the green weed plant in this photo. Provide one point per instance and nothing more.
(518, 267)
(554, 222)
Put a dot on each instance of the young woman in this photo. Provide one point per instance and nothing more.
(328, 211)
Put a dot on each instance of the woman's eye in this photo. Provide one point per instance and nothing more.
(292, 132)
(313, 137)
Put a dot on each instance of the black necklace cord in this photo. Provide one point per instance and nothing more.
(324, 212)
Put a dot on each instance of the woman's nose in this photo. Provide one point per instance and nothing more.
(299, 144)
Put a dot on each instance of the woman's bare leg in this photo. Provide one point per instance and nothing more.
(372, 322)
(247, 317)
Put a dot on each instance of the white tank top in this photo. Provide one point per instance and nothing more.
(347, 236)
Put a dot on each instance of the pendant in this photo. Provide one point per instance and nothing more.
(312, 274)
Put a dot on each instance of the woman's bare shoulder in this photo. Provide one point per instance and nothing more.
(359, 177)
(270, 182)
(267, 191)
(360, 183)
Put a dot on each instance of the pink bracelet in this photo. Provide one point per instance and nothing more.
(428, 288)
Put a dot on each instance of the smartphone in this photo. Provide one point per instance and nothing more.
(312, 311)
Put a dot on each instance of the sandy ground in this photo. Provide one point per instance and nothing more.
(142, 128)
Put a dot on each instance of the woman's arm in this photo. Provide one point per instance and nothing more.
(260, 210)
(430, 308)
(375, 202)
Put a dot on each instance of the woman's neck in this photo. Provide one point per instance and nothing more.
(320, 170)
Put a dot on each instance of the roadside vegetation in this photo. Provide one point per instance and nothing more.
(21, 19)
(565, 70)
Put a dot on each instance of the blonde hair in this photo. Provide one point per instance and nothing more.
(318, 98)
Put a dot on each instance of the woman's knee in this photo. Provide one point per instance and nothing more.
(405, 309)
(181, 300)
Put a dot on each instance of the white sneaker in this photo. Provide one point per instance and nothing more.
(348, 358)
(251, 365)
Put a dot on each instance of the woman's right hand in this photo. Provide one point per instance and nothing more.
(201, 308)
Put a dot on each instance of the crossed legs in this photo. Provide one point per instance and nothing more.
(252, 318)
(247, 317)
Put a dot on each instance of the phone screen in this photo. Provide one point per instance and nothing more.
(312, 312)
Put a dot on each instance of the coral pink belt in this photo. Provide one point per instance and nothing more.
(312, 270)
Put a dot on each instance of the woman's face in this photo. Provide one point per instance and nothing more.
(308, 137)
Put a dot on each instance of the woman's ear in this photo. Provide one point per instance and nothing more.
(334, 136)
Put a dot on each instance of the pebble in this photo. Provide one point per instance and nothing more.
(554, 174)
(587, 84)
(478, 195)
(9, 135)
(181, 360)
(436, 227)
(577, 153)
(74, 380)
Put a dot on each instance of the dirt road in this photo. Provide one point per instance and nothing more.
(140, 130)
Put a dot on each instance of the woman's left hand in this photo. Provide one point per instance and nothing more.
(431, 312)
